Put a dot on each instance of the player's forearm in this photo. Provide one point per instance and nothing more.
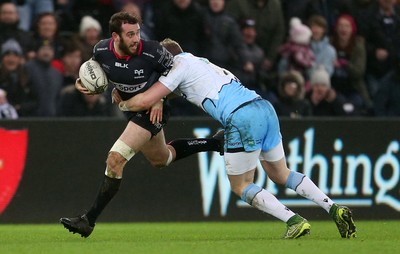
(146, 99)
(137, 103)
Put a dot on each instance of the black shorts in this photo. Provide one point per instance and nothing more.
(143, 120)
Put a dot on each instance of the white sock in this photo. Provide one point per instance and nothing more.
(310, 191)
(266, 202)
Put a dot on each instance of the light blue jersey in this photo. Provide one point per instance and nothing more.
(250, 122)
(214, 89)
(231, 97)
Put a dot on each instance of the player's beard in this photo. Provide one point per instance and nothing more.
(126, 50)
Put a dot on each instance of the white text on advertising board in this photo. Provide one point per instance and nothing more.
(336, 175)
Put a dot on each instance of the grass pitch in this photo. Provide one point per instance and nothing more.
(200, 237)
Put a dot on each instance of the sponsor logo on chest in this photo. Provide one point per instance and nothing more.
(138, 74)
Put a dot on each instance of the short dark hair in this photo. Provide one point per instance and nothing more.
(42, 16)
(120, 18)
(172, 46)
(318, 20)
(70, 45)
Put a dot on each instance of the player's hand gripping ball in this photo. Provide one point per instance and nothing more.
(93, 77)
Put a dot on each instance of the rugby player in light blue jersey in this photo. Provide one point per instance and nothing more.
(252, 133)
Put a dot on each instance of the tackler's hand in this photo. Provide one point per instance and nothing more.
(156, 112)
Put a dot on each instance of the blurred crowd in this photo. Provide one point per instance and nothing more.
(307, 57)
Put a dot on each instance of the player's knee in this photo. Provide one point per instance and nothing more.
(162, 161)
(237, 190)
(120, 153)
(238, 187)
(115, 163)
(158, 163)
(279, 176)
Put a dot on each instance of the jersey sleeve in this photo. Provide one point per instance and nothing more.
(176, 74)
(96, 52)
(163, 59)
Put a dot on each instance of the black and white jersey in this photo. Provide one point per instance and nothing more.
(131, 75)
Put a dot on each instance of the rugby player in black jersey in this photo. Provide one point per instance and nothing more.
(132, 65)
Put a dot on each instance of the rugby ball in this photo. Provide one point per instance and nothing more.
(93, 77)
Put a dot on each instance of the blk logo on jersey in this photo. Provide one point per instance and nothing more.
(121, 65)
(13, 148)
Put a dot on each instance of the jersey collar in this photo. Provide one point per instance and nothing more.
(111, 46)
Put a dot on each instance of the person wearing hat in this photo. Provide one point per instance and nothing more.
(291, 101)
(323, 98)
(14, 79)
(296, 53)
(254, 70)
(90, 33)
(270, 26)
(11, 46)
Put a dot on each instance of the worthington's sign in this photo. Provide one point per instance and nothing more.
(348, 178)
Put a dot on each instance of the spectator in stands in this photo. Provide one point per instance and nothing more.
(69, 63)
(291, 101)
(90, 34)
(268, 17)
(46, 31)
(387, 98)
(101, 10)
(224, 45)
(324, 52)
(331, 9)
(323, 99)
(68, 21)
(14, 79)
(381, 30)
(348, 76)
(296, 53)
(75, 104)
(146, 8)
(269, 25)
(146, 29)
(7, 111)
(46, 80)
(302, 9)
(29, 10)
(9, 21)
(253, 70)
(358, 11)
(183, 21)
